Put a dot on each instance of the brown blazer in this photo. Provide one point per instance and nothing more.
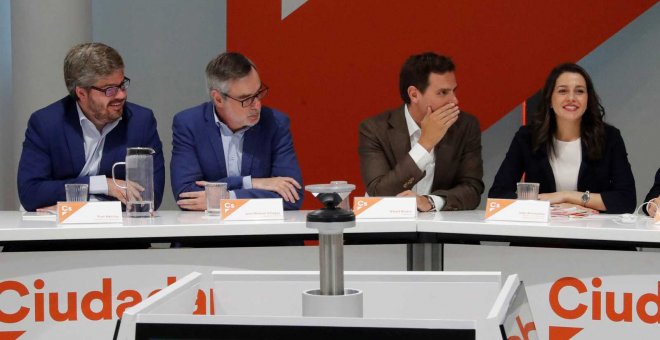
(387, 169)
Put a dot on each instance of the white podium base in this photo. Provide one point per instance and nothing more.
(348, 305)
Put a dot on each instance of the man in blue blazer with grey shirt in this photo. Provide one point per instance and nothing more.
(78, 138)
(234, 139)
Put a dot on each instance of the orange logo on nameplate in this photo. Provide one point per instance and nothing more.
(494, 205)
(498, 209)
(67, 209)
(385, 207)
(252, 209)
(230, 206)
(360, 204)
(89, 212)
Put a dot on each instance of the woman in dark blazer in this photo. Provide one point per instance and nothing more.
(567, 148)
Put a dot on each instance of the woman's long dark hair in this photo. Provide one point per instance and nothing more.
(592, 127)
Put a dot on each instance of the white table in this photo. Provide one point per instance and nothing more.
(248, 245)
(600, 230)
(62, 259)
(170, 226)
(577, 286)
(469, 224)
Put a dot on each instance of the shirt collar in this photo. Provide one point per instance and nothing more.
(81, 115)
(412, 125)
(224, 129)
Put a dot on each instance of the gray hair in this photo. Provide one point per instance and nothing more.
(226, 67)
(85, 63)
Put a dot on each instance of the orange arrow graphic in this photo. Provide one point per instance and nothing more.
(563, 333)
(11, 335)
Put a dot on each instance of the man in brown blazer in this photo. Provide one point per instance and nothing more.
(426, 148)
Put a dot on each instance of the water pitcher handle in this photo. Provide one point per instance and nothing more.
(113, 174)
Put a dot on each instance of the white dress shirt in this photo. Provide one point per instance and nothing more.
(94, 142)
(565, 163)
(425, 161)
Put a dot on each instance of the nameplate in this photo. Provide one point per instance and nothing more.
(88, 212)
(252, 209)
(385, 207)
(517, 210)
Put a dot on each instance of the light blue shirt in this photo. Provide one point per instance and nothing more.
(232, 145)
(94, 142)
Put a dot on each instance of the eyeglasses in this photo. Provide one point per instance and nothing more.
(250, 100)
(112, 91)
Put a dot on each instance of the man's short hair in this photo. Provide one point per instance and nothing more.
(85, 63)
(417, 68)
(226, 67)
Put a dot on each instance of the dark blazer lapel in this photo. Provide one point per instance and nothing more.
(584, 168)
(74, 136)
(250, 147)
(445, 148)
(398, 134)
(547, 170)
(213, 133)
(444, 152)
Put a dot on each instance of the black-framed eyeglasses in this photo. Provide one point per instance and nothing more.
(250, 100)
(112, 91)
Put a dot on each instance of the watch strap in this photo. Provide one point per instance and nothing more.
(431, 202)
(586, 197)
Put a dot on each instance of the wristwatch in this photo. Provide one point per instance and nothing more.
(585, 198)
(430, 202)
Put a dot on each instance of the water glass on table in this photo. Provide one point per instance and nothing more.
(76, 192)
(215, 191)
(528, 191)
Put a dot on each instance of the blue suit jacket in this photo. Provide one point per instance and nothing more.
(54, 153)
(609, 176)
(197, 153)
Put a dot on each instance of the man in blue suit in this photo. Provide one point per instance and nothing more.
(234, 139)
(78, 138)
